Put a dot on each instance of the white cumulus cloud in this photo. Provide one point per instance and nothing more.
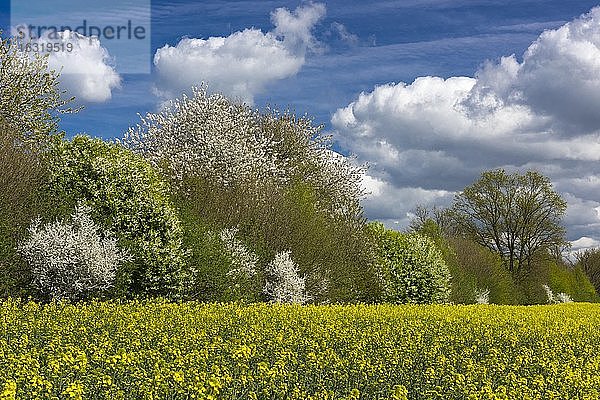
(439, 134)
(243, 64)
(85, 66)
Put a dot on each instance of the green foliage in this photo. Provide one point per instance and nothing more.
(515, 215)
(30, 101)
(411, 266)
(211, 266)
(463, 283)
(572, 281)
(23, 177)
(332, 253)
(128, 197)
(480, 269)
(474, 267)
(589, 262)
(561, 278)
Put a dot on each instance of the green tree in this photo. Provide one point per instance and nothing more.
(440, 219)
(128, 197)
(589, 262)
(515, 215)
(23, 177)
(411, 267)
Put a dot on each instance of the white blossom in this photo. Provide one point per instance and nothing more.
(284, 285)
(482, 296)
(211, 137)
(556, 298)
(207, 136)
(243, 260)
(71, 259)
(564, 298)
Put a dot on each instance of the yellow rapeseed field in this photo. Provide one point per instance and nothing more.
(160, 350)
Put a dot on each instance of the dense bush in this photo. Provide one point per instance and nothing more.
(475, 270)
(128, 197)
(481, 269)
(411, 267)
(572, 281)
(333, 254)
(71, 259)
(322, 250)
(208, 263)
(30, 103)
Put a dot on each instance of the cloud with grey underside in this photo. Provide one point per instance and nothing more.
(427, 139)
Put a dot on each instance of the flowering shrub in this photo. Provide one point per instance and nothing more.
(563, 298)
(242, 267)
(71, 260)
(482, 296)
(411, 267)
(243, 261)
(162, 350)
(283, 283)
(556, 298)
(128, 197)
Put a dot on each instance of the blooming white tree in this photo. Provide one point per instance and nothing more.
(72, 260)
(243, 260)
(284, 285)
(209, 136)
(30, 98)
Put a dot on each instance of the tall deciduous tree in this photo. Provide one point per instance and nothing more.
(516, 215)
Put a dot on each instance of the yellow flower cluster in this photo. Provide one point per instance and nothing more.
(161, 350)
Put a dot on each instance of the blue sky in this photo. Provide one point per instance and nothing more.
(397, 41)
(425, 131)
